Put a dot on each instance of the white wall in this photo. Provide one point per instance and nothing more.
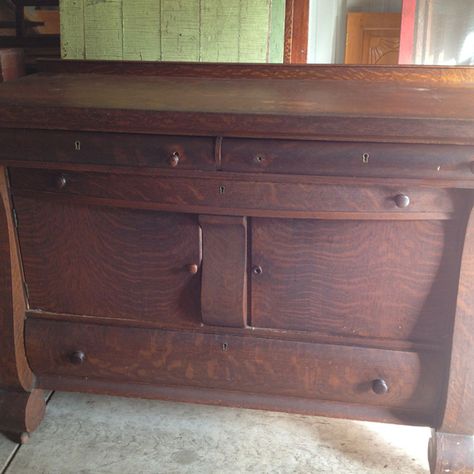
(327, 25)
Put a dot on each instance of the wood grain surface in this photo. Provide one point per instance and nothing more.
(108, 149)
(347, 159)
(224, 271)
(113, 263)
(234, 363)
(238, 196)
(392, 280)
(242, 107)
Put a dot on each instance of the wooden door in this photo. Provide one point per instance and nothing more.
(372, 38)
(110, 262)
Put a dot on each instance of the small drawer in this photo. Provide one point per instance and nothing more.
(241, 196)
(243, 363)
(347, 159)
(117, 149)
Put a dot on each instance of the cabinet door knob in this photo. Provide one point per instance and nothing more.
(77, 357)
(174, 160)
(257, 270)
(379, 386)
(61, 181)
(192, 268)
(402, 201)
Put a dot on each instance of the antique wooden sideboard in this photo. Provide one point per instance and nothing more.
(295, 238)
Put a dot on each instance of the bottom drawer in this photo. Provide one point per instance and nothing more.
(240, 363)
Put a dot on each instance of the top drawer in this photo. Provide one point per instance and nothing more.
(162, 151)
(348, 158)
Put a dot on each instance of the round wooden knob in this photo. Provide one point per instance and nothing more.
(77, 357)
(402, 200)
(192, 268)
(61, 181)
(174, 160)
(257, 270)
(379, 386)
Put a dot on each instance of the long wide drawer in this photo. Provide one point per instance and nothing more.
(237, 196)
(122, 149)
(251, 364)
(347, 159)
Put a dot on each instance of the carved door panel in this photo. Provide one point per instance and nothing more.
(372, 38)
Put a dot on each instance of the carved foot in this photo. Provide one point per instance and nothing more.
(21, 413)
(451, 453)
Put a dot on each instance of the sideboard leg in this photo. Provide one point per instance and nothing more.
(21, 413)
(451, 453)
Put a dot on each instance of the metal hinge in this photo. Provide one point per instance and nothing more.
(15, 219)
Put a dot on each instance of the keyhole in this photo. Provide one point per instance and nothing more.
(221, 189)
(225, 346)
(365, 158)
(77, 145)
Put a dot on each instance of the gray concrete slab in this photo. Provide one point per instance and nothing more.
(97, 434)
(7, 449)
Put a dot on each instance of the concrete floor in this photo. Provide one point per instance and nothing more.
(97, 434)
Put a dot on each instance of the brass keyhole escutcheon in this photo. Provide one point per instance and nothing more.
(221, 189)
(365, 158)
(77, 145)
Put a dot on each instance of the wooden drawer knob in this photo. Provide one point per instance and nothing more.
(77, 357)
(257, 270)
(379, 386)
(192, 268)
(61, 181)
(174, 160)
(402, 201)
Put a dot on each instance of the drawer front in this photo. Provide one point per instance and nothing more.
(241, 363)
(108, 149)
(242, 197)
(347, 159)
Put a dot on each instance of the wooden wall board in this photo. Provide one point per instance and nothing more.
(169, 30)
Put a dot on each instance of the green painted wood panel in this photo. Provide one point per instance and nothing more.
(141, 30)
(173, 30)
(180, 30)
(72, 29)
(220, 30)
(103, 29)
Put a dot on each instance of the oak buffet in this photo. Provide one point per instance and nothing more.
(295, 238)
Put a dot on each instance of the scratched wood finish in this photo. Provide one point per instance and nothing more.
(243, 364)
(108, 149)
(264, 108)
(347, 159)
(113, 263)
(237, 196)
(458, 415)
(451, 453)
(224, 271)
(390, 280)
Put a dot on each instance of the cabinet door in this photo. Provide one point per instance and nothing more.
(372, 279)
(110, 262)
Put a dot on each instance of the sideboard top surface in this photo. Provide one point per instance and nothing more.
(301, 108)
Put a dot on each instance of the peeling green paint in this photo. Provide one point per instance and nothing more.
(168, 30)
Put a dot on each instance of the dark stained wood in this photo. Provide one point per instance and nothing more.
(436, 75)
(108, 149)
(239, 196)
(112, 263)
(323, 372)
(347, 159)
(382, 279)
(458, 414)
(296, 31)
(301, 109)
(451, 453)
(15, 373)
(224, 271)
(21, 412)
(12, 64)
